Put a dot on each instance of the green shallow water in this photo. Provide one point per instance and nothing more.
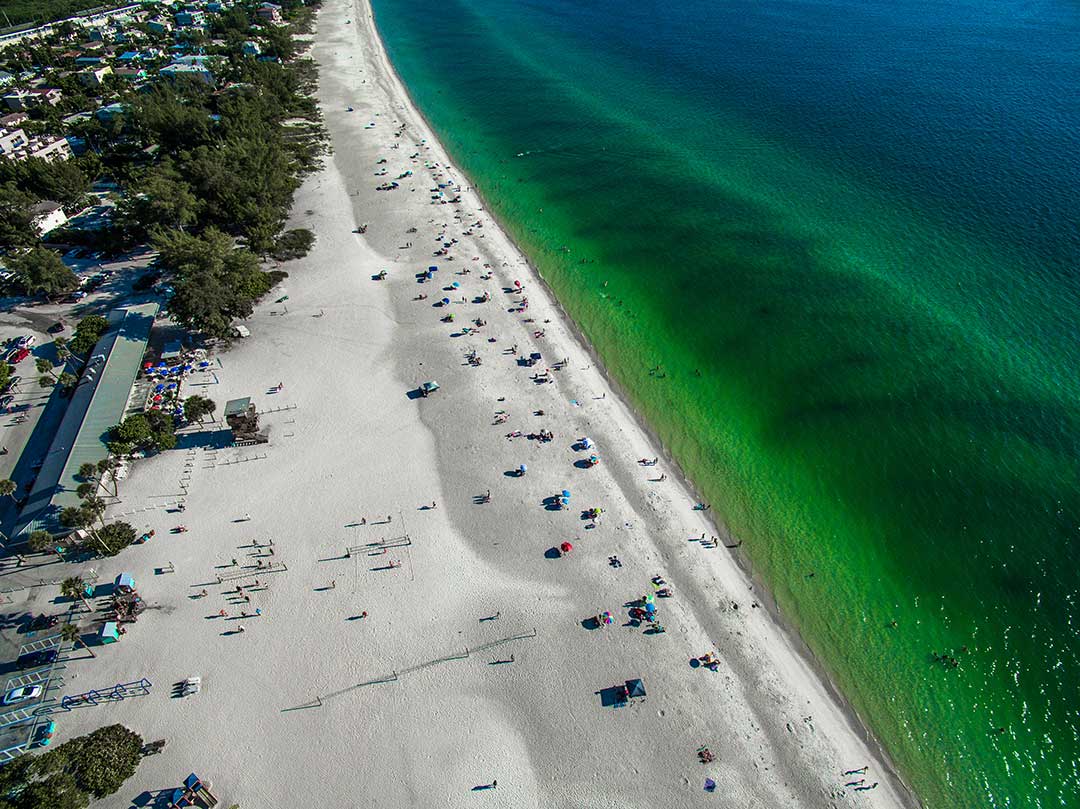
(847, 232)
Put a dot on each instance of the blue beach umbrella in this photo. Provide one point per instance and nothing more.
(565, 494)
(445, 301)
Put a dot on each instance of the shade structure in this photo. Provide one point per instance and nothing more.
(635, 688)
(566, 547)
(566, 494)
(455, 285)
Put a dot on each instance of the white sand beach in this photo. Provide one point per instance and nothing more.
(473, 664)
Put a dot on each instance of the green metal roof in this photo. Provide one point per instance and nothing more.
(97, 404)
(234, 406)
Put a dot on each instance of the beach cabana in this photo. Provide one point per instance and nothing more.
(125, 583)
(635, 689)
(427, 388)
(110, 633)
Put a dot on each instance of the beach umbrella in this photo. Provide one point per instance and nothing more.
(171, 385)
(565, 494)
(650, 608)
(455, 285)
(566, 547)
(432, 269)
(587, 442)
(148, 365)
(158, 398)
(593, 460)
(445, 301)
(523, 469)
(159, 387)
(606, 617)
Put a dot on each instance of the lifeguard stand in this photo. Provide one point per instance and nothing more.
(242, 419)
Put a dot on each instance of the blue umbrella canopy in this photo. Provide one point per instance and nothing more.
(565, 493)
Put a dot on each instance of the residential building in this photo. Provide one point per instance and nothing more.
(251, 48)
(45, 147)
(269, 12)
(94, 77)
(179, 70)
(106, 114)
(11, 141)
(133, 74)
(20, 100)
(159, 25)
(190, 19)
(48, 215)
(12, 119)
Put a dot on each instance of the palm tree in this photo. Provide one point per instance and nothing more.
(70, 632)
(107, 467)
(8, 488)
(74, 587)
(45, 366)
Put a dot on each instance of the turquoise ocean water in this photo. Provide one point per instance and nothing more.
(849, 232)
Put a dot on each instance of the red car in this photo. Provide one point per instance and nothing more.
(18, 355)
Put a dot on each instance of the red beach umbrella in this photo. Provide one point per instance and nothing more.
(566, 547)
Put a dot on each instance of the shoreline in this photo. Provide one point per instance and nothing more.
(784, 625)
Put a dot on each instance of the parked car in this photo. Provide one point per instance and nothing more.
(75, 297)
(13, 382)
(22, 694)
(31, 660)
(57, 327)
(6, 401)
(17, 355)
(25, 341)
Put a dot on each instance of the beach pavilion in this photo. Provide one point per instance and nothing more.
(97, 403)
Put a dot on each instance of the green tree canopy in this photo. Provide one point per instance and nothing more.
(99, 763)
(60, 180)
(160, 198)
(16, 219)
(40, 271)
(215, 282)
(196, 408)
(87, 333)
(117, 536)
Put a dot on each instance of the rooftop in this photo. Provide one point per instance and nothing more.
(96, 405)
